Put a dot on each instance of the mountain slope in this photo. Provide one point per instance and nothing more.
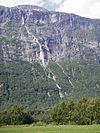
(47, 56)
(27, 34)
(34, 86)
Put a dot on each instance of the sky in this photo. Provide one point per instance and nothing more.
(85, 8)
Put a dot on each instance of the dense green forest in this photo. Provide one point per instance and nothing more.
(82, 112)
(33, 86)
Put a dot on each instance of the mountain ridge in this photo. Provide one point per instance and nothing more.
(29, 7)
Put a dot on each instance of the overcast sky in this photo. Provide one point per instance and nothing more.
(86, 8)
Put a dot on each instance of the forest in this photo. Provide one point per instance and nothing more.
(81, 112)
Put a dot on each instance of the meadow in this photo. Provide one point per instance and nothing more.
(50, 129)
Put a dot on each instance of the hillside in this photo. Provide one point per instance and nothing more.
(47, 56)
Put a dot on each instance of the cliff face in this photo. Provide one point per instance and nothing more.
(32, 33)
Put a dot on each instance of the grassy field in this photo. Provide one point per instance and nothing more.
(50, 129)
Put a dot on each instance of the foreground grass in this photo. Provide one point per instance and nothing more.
(50, 129)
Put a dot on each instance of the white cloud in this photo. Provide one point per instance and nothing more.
(10, 3)
(55, 1)
(6, 2)
(86, 8)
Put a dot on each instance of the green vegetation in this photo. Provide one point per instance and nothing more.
(82, 112)
(50, 129)
(25, 84)
(15, 116)
(84, 77)
(28, 85)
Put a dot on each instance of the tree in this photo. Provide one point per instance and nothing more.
(93, 111)
(15, 116)
(58, 113)
(70, 110)
(80, 111)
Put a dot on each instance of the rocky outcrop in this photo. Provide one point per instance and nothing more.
(32, 33)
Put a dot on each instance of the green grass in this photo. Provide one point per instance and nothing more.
(50, 129)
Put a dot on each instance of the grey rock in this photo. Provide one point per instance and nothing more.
(32, 33)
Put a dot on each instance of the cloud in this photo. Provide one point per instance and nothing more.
(55, 1)
(6, 2)
(10, 3)
(86, 8)
(50, 4)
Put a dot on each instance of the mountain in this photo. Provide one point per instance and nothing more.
(47, 56)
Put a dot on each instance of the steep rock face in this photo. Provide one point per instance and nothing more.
(32, 33)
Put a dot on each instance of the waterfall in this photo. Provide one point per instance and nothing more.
(23, 21)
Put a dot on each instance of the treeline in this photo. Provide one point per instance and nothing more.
(82, 112)
(15, 116)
